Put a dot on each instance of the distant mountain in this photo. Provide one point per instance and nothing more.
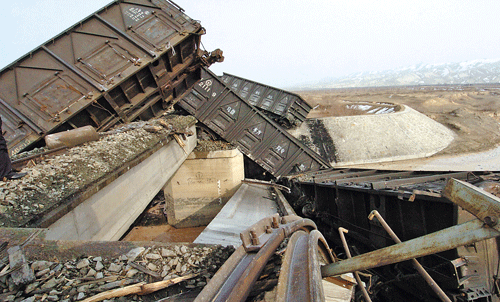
(471, 72)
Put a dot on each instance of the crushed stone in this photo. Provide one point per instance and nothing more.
(77, 279)
(55, 179)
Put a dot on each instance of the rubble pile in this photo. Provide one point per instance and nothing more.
(85, 277)
(54, 179)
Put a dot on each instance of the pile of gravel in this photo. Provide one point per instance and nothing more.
(54, 179)
(85, 277)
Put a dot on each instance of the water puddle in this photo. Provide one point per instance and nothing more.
(350, 108)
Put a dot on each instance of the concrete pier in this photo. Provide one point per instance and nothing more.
(202, 186)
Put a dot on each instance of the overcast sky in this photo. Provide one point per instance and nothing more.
(284, 43)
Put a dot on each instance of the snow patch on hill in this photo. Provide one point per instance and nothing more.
(470, 72)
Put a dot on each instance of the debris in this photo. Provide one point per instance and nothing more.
(153, 129)
(71, 138)
(56, 177)
(138, 289)
(180, 142)
(145, 270)
(63, 281)
(21, 272)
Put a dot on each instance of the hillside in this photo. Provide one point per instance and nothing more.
(471, 72)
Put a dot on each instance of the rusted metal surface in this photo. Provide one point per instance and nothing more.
(300, 275)
(270, 146)
(395, 183)
(227, 274)
(452, 237)
(128, 61)
(286, 105)
(266, 183)
(234, 280)
(476, 268)
(447, 239)
(472, 200)
(251, 273)
(412, 209)
(435, 287)
(284, 208)
(340, 196)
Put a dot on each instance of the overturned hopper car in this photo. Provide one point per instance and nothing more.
(285, 107)
(220, 109)
(130, 60)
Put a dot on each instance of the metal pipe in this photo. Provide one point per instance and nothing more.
(348, 253)
(449, 238)
(435, 287)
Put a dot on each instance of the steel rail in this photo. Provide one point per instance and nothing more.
(255, 267)
(300, 274)
(234, 281)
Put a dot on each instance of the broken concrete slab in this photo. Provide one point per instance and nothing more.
(248, 205)
(57, 183)
(108, 214)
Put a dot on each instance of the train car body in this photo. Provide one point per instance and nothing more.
(130, 60)
(285, 106)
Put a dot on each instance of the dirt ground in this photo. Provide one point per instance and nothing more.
(472, 112)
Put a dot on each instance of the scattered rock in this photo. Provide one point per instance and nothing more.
(40, 265)
(152, 267)
(115, 268)
(23, 275)
(78, 279)
(83, 263)
(52, 180)
(134, 253)
(80, 296)
(131, 273)
(153, 256)
(167, 253)
(99, 266)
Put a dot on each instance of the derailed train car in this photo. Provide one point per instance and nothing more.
(285, 107)
(413, 206)
(266, 143)
(130, 60)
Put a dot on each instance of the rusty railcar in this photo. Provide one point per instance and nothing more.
(413, 205)
(130, 60)
(219, 108)
(283, 105)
